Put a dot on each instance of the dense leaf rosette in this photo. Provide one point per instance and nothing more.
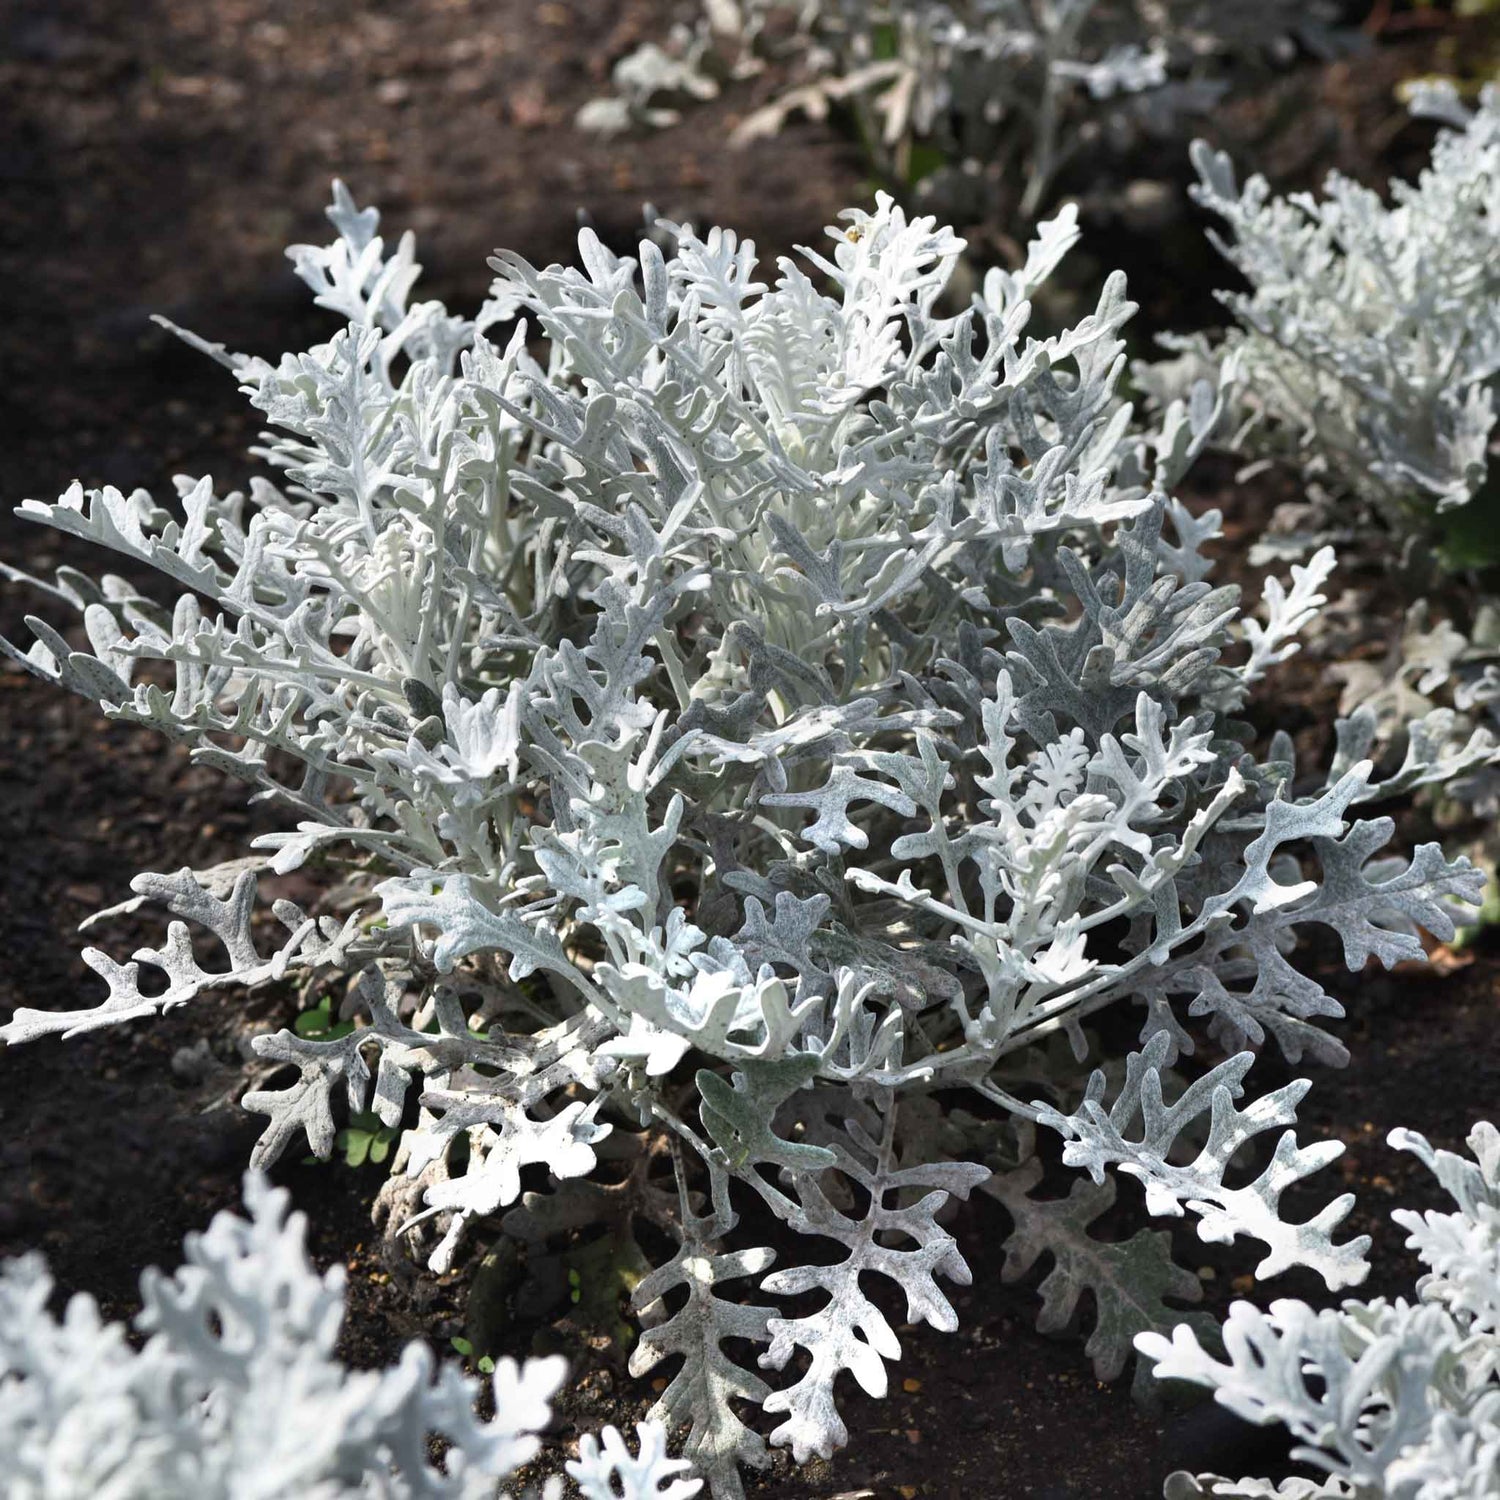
(748, 716)
(235, 1390)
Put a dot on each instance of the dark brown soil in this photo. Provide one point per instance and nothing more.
(155, 155)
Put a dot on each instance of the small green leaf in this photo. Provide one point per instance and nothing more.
(923, 161)
(318, 1024)
(314, 1022)
(1471, 533)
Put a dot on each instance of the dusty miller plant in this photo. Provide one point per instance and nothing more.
(1365, 353)
(1368, 342)
(1387, 1400)
(749, 721)
(958, 95)
(235, 1390)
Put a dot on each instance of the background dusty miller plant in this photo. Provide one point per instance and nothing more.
(236, 1390)
(749, 721)
(1365, 353)
(957, 95)
(1387, 1400)
(1368, 343)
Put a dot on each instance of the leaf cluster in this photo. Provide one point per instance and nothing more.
(748, 718)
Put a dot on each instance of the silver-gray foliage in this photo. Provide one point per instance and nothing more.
(740, 714)
(994, 87)
(235, 1390)
(1387, 1400)
(1366, 353)
(1368, 344)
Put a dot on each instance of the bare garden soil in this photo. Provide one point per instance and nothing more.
(156, 155)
